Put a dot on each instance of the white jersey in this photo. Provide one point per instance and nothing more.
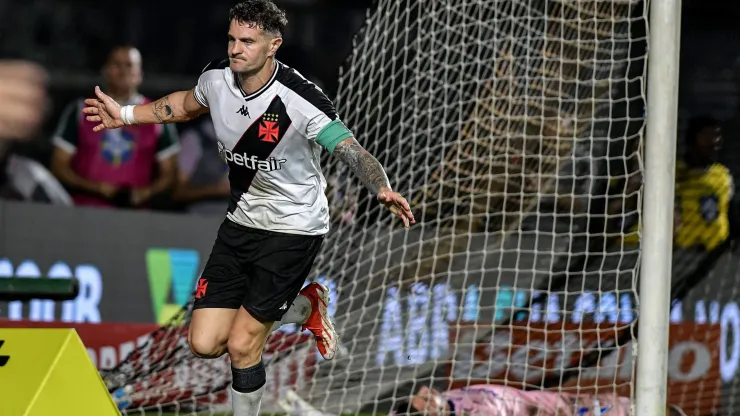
(272, 142)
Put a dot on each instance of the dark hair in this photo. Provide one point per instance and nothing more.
(404, 408)
(696, 125)
(114, 48)
(261, 13)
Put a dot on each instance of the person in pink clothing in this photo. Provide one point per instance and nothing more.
(122, 167)
(495, 400)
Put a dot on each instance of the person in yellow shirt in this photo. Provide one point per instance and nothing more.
(704, 188)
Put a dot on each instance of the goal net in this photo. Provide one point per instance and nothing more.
(514, 127)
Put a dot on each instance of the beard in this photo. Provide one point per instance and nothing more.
(248, 70)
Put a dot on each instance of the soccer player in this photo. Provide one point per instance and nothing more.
(498, 400)
(271, 124)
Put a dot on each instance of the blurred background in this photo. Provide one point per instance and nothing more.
(137, 241)
(74, 39)
(175, 44)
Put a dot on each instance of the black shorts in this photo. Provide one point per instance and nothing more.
(262, 271)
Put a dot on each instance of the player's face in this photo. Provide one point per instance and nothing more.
(250, 47)
(709, 142)
(122, 72)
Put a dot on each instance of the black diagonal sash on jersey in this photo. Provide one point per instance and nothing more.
(259, 140)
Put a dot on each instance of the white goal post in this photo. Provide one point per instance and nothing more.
(657, 238)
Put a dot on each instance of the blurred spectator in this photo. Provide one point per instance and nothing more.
(342, 195)
(203, 177)
(125, 167)
(22, 99)
(704, 188)
(28, 180)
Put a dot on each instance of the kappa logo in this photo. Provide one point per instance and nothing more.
(269, 130)
(244, 111)
(284, 307)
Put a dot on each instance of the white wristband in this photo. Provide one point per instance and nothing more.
(127, 114)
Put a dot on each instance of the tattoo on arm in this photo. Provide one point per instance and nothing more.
(163, 111)
(363, 164)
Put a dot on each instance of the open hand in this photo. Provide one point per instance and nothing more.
(103, 110)
(397, 205)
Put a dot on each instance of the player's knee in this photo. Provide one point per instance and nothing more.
(203, 347)
(245, 349)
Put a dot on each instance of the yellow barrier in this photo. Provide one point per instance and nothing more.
(47, 372)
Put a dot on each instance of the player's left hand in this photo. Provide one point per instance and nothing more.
(397, 205)
(103, 110)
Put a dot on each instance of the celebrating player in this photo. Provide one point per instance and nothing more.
(271, 124)
(508, 401)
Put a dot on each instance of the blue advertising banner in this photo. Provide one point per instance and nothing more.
(132, 266)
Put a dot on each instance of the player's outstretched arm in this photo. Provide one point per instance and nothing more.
(174, 108)
(372, 175)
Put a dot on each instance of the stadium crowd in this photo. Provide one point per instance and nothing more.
(135, 167)
(53, 156)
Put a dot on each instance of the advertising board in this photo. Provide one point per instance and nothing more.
(107, 343)
(135, 267)
(521, 356)
(140, 267)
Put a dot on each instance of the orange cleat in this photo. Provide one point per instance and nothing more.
(318, 322)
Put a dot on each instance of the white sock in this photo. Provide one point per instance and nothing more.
(246, 404)
(298, 312)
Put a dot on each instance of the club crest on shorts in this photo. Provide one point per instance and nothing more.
(200, 291)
